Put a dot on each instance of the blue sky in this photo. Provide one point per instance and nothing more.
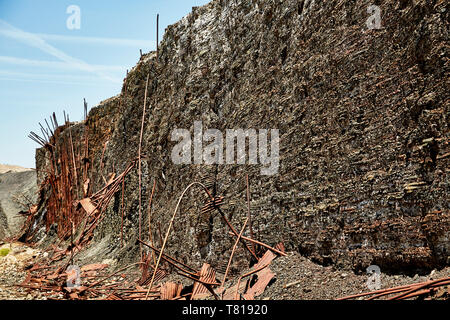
(46, 67)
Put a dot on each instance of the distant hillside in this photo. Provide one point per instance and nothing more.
(6, 168)
(18, 190)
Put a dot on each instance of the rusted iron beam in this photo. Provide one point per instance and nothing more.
(139, 162)
(157, 36)
(121, 226)
(150, 236)
(418, 287)
(198, 280)
(55, 120)
(37, 137)
(45, 132)
(207, 278)
(73, 157)
(234, 232)
(411, 287)
(246, 275)
(44, 135)
(212, 204)
(249, 217)
(38, 141)
(171, 260)
(85, 107)
(109, 276)
(49, 129)
(232, 251)
(262, 244)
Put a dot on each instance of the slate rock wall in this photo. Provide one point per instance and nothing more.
(363, 122)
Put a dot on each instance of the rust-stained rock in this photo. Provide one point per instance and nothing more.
(363, 121)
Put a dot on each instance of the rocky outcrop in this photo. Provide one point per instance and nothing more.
(363, 123)
(18, 191)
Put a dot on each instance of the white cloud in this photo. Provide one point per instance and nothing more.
(35, 41)
(49, 78)
(100, 41)
(55, 64)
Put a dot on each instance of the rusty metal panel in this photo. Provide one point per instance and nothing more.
(264, 278)
(170, 290)
(207, 274)
(88, 206)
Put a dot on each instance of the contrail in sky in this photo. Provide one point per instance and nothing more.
(35, 41)
(100, 41)
(54, 64)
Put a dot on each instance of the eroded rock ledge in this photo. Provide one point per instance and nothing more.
(363, 120)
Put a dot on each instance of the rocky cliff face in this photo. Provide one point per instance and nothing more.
(363, 124)
(18, 192)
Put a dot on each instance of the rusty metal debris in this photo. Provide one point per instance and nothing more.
(264, 278)
(170, 290)
(139, 163)
(50, 275)
(149, 214)
(50, 278)
(265, 275)
(157, 35)
(232, 251)
(172, 261)
(404, 292)
(171, 223)
(280, 252)
(146, 275)
(249, 216)
(211, 205)
(78, 211)
(201, 289)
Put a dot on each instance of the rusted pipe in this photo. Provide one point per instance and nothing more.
(139, 162)
(261, 244)
(232, 252)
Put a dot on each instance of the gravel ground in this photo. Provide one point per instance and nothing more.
(12, 272)
(297, 278)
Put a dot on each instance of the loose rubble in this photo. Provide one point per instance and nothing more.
(362, 116)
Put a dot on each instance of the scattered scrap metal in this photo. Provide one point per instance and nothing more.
(421, 289)
(50, 274)
(69, 214)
